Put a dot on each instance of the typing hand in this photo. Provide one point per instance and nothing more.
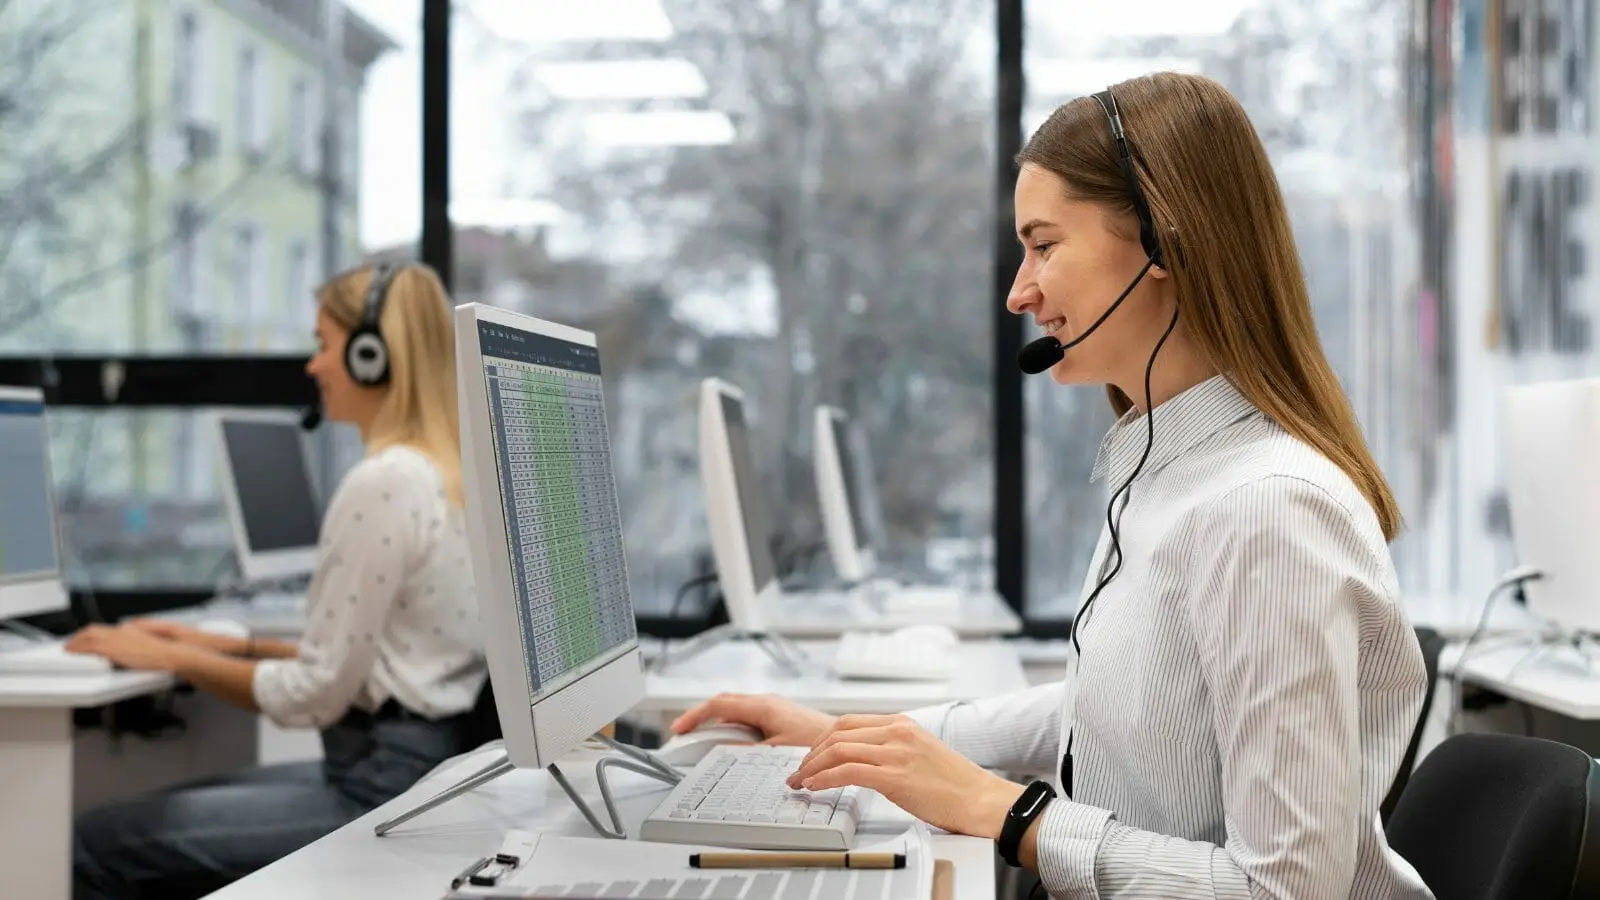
(130, 648)
(779, 721)
(914, 770)
(167, 630)
(183, 634)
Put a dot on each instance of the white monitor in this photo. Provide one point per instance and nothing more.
(735, 509)
(1552, 435)
(546, 532)
(268, 492)
(30, 562)
(847, 494)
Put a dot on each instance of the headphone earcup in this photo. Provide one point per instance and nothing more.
(366, 358)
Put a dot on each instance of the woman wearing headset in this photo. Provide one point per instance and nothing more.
(391, 658)
(1244, 681)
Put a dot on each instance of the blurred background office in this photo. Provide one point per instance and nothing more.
(808, 197)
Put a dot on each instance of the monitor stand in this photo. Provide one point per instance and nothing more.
(640, 761)
(783, 651)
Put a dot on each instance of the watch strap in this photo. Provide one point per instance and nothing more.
(1035, 797)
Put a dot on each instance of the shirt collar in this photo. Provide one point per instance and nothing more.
(1181, 423)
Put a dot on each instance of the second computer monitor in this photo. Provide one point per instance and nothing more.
(30, 569)
(1553, 487)
(847, 494)
(270, 497)
(546, 531)
(736, 511)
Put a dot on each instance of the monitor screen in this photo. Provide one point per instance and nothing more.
(753, 511)
(558, 495)
(276, 499)
(27, 513)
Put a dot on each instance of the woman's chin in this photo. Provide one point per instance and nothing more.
(1063, 373)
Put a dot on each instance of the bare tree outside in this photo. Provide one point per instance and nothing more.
(64, 172)
(857, 200)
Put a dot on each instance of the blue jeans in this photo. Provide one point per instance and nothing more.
(191, 840)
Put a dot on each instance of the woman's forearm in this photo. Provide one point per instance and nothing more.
(225, 676)
(246, 648)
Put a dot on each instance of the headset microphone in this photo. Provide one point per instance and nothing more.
(1038, 356)
(312, 417)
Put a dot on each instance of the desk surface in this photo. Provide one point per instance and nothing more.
(77, 690)
(417, 861)
(980, 670)
(1550, 677)
(827, 614)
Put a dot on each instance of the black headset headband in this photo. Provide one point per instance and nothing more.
(1141, 209)
(383, 275)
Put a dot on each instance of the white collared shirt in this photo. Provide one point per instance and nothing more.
(391, 612)
(1248, 682)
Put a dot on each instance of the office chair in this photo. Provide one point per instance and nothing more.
(1502, 817)
(1432, 643)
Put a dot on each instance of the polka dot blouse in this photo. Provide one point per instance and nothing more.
(391, 611)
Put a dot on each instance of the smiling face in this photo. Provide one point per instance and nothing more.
(1077, 258)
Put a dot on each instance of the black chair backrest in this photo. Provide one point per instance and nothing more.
(483, 721)
(1432, 643)
(1502, 817)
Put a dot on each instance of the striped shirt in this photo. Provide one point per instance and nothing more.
(1248, 682)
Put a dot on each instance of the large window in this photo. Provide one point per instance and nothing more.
(795, 197)
(1324, 85)
(163, 191)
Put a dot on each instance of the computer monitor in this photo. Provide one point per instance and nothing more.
(30, 562)
(1552, 431)
(847, 493)
(268, 492)
(546, 532)
(735, 509)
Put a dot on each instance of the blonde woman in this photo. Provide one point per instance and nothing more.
(391, 658)
(1244, 681)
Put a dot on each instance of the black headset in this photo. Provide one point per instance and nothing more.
(1147, 222)
(1152, 249)
(366, 354)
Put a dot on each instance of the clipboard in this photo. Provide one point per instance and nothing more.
(944, 879)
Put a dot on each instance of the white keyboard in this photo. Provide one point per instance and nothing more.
(890, 656)
(49, 658)
(737, 797)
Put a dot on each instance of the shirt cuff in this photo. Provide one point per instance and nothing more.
(1068, 842)
(932, 719)
(265, 687)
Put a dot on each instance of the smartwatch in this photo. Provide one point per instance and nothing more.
(1035, 797)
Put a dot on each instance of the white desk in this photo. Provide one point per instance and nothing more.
(827, 614)
(36, 747)
(1555, 679)
(980, 669)
(417, 861)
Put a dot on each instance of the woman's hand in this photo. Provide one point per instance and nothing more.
(128, 647)
(167, 630)
(914, 770)
(778, 720)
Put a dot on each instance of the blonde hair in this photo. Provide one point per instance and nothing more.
(419, 408)
(1224, 229)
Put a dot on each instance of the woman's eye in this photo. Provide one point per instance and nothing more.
(1041, 248)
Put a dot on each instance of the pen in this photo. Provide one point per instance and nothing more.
(817, 860)
(468, 872)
